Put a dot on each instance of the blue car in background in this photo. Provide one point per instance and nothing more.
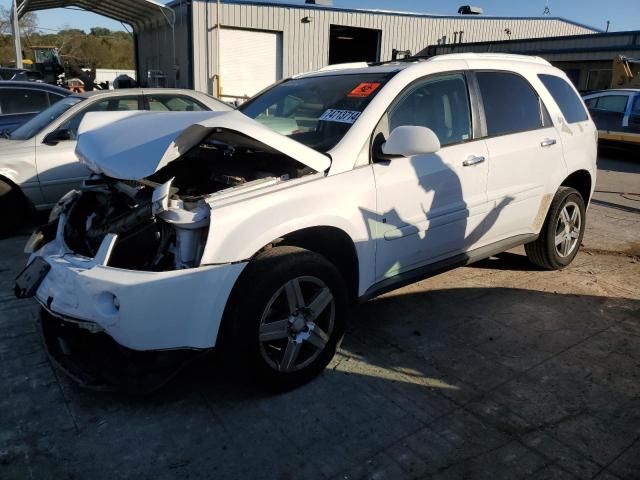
(20, 101)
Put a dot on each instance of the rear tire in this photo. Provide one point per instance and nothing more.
(562, 232)
(286, 317)
(13, 208)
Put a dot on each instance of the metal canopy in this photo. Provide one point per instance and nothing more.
(137, 13)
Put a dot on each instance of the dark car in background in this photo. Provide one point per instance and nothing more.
(21, 101)
(7, 73)
(616, 114)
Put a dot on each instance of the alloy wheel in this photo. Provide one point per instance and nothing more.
(296, 324)
(568, 229)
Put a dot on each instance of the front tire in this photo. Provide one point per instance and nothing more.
(562, 232)
(286, 317)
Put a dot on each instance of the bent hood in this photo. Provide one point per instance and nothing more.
(134, 145)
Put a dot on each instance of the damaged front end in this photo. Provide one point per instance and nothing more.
(125, 286)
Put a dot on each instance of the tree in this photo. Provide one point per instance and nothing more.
(28, 23)
(100, 32)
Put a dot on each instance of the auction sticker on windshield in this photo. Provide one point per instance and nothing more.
(341, 116)
(364, 89)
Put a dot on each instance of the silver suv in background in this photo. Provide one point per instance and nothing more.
(37, 160)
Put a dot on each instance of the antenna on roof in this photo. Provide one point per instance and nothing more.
(546, 11)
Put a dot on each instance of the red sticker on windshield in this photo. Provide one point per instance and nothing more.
(363, 90)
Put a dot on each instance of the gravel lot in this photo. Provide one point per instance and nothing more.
(491, 371)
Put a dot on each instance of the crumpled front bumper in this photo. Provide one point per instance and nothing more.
(139, 310)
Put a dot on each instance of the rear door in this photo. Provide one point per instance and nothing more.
(608, 113)
(634, 120)
(523, 149)
(58, 168)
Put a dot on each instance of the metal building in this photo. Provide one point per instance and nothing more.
(588, 60)
(235, 48)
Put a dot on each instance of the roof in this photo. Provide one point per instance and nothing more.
(33, 86)
(135, 91)
(136, 13)
(613, 90)
(395, 66)
(284, 4)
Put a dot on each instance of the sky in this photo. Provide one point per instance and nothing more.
(623, 14)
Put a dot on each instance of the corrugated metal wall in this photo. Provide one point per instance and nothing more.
(306, 45)
(155, 49)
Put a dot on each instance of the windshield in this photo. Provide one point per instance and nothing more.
(316, 111)
(44, 118)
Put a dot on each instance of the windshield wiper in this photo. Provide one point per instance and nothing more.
(5, 134)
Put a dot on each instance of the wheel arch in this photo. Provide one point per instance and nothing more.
(332, 243)
(581, 181)
(16, 188)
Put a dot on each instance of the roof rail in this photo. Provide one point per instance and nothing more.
(344, 66)
(489, 56)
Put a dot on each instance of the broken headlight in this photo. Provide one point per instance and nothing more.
(62, 205)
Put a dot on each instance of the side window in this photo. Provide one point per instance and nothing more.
(441, 104)
(612, 103)
(53, 98)
(164, 103)
(108, 105)
(591, 102)
(13, 101)
(511, 104)
(635, 110)
(566, 98)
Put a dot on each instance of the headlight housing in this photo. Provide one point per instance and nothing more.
(62, 204)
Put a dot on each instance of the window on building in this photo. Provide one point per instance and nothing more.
(511, 104)
(441, 104)
(567, 99)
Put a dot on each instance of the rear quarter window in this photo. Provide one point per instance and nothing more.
(565, 96)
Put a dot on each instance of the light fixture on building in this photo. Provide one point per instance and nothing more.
(306, 19)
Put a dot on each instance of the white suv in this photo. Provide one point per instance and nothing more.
(255, 230)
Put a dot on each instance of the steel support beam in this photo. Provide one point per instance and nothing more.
(15, 29)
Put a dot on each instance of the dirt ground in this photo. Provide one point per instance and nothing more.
(496, 370)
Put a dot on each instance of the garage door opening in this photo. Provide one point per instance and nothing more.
(352, 44)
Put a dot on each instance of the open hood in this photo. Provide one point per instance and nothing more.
(134, 145)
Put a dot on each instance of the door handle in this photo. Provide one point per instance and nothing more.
(547, 142)
(473, 161)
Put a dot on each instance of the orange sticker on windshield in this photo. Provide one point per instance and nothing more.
(363, 90)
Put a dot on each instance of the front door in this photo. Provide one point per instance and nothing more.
(429, 206)
(58, 168)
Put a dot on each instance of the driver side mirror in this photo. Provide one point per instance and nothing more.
(57, 136)
(410, 140)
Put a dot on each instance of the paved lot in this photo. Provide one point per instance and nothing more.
(491, 371)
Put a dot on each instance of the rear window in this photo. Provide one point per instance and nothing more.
(511, 104)
(568, 101)
(316, 111)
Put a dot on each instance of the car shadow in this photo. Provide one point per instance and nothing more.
(507, 261)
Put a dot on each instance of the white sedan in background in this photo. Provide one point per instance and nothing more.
(37, 161)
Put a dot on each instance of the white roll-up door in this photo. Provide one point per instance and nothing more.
(250, 60)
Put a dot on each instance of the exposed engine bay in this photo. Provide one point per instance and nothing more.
(161, 222)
